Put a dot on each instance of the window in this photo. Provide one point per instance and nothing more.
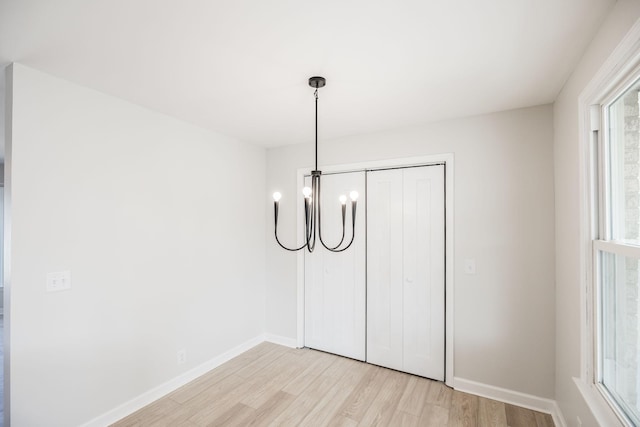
(617, 254)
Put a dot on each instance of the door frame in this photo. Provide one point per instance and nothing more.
(448, 160)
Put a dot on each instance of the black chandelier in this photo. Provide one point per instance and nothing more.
(312, 208)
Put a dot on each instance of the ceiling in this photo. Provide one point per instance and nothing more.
(240, 67)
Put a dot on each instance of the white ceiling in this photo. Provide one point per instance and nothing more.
(240, 67)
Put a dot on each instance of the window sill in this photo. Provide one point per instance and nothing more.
(604, 415)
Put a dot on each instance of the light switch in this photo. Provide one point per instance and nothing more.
(470, 266)
(58, 281)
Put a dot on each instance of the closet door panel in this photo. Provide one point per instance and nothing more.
(423, 266)
(384, 268)
(335, 286)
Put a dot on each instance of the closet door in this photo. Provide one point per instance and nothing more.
(405, 291)
(384, 268)
(335, 287)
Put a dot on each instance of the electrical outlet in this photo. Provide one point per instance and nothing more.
(58, 281)
(182, 357)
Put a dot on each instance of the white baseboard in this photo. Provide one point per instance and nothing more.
(524, 400)
(558, 418)
(285, 341)
(156, 393)
(536, 403)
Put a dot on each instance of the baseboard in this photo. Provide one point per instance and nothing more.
(285, 341)
(558, 418)
(524, 400)
(162, 390)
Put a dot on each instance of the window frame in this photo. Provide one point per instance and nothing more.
(597, 228)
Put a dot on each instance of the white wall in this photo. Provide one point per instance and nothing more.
(152, 217)
(567, 199)
(504, 315)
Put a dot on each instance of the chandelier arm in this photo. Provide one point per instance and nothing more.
(318, 195)
(354, 204)
(289, 249)
(353, 227)
(344, 211)
(343, 230)
(333, 248)
(353, 235)
(275, 211)
(312, 244)
(314, 210)
(309, 227)
(312, 221)
(307, 213)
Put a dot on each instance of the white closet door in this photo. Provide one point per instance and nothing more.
(424, 285)
(335, 287)
(384, 268)
(406, 284)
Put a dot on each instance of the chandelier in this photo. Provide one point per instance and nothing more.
(312, 203)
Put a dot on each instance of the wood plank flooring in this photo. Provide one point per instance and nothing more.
(271, 385)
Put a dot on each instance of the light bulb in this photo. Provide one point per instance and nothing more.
(343, 199)
(353, 195)
(306, 191)
(277, 196)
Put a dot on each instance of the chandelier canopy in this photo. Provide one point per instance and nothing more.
(312, 200)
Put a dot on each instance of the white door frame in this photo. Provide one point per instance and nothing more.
(447, 159)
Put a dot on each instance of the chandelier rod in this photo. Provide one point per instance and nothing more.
(316, 96)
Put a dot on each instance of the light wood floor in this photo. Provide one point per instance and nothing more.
(279, 386)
